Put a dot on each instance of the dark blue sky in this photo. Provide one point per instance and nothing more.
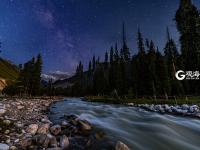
(66, 31)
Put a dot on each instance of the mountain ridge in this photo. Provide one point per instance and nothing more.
(8, 72)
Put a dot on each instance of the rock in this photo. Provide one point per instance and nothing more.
(43, 129)
(19, 107)
(41, 140)
(55, 130)
(121, 146)
(70, 117)
(64, 142)
(158, 107)
(84, 125)
(2, 111)
(7, 132)
(185, 107)
(44, 120)
(52, 140)
(16, 141)
(7, 122)
(32, 129)
(13, 148)
(25, 142)
(19, 124)
(152, 107)
(8, 141)
(4, 146)
(65, 124)
(197, 115)
(193, 108)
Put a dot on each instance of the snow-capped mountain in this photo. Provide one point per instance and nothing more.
(57, 75)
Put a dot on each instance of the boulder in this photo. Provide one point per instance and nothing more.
(26, 142)
(13, 148)
(4, 146)
(121, 146)
(55, 130)
(185, 107)
(7, 122)
(65, 124)
(2, 110)
(19, 107)
(19, 124)
(52, 140)
(64, 142)
(32, 128)
(84, 125)
(41, 140)
(43, 129)
(45, 120)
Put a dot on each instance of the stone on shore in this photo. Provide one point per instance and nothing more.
(121, 146)
(84, 125)
(13, 148)
(43, 129)
(25, 142)
(64, 142)
(32, 128)
(41, 140)
(52, 140)
(2, 109)
(55, 130)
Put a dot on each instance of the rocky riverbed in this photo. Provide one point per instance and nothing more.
(24, 124)
(182, 110)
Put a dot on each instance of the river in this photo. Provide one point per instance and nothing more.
(139, 129)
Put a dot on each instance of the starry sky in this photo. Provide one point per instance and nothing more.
(66, 31)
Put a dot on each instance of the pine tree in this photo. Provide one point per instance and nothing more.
(172, 59)
(151, 57)
(125, 50)
(140, 42)
(188, 24)
(37, 70)
(93, 63)
(111, 54)
(162, 80)
(90, 66)
(116, 54)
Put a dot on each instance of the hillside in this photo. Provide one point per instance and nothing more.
(8, 72)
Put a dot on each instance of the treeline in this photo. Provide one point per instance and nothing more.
(150, 72)
(29, 80)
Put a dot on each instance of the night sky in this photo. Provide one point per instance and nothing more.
(66, 31)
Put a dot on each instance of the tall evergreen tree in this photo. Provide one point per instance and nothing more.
(125, 50)
(111, 54)
(162, 80)
(93, 63)
(140, 42)
(188, 24)
(151, 58)
(37, 70)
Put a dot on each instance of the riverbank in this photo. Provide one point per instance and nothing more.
(181, 107)
(24, 124)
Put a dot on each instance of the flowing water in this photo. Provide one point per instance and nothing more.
(137, 128)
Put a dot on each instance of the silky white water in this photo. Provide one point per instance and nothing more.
(137, 128)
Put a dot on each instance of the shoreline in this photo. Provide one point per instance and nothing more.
(24, 124)
(182, 109)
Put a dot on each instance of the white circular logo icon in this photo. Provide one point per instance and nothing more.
(180, 75)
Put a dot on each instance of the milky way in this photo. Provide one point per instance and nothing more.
(66, 31)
